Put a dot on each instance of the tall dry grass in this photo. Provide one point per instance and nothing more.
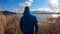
(2, 23)
(50, 28)
(10, 25)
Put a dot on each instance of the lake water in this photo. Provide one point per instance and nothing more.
(40, 17)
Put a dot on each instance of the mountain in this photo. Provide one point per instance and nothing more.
(7, 12)
(44, 12)
(38, 12)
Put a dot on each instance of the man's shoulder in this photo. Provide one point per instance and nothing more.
(33, 16)
(22, 17)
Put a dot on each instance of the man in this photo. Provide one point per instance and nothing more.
(28, 22)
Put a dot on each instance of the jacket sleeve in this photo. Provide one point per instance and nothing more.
(36, 25)
(21, 25)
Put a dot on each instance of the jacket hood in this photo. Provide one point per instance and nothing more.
(26, 12)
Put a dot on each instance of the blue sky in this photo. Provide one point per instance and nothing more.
(16, 4)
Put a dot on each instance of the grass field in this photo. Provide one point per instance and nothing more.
(10, 25)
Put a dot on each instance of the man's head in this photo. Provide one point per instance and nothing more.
(26, 10)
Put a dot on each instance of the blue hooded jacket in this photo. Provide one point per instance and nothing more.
(28, 22)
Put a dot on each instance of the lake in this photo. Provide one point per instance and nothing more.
(40, 17)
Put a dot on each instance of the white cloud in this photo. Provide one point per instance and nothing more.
(41, 9)
(15, 9)
(54, 6)
(48, 10)
(27, 3)
(54, 2)
(38, 9)
(31, 0)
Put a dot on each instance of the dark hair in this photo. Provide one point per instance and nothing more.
(26, 8)
(26, 11)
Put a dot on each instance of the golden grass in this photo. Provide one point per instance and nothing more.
(10, 25)
(2, 23)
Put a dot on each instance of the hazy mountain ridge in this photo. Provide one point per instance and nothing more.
(7, 12)
(44, 12)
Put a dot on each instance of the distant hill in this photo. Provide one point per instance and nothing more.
(7, 12)
(44, 12)
(38, 12)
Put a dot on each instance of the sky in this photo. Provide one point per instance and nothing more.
(20, 4)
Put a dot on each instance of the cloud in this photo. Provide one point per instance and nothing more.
(40, 9)
(54, 2)
(27, 3)
(13, 9)
(17, 10)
